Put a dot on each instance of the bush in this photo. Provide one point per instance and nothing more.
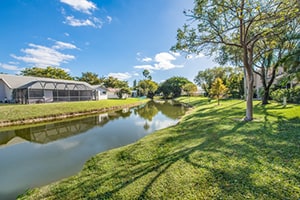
(295, 95)
(292, 95)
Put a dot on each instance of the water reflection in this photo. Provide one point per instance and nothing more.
(39, 155)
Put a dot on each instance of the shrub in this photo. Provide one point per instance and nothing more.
(292, 95)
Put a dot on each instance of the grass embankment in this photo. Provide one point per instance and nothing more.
(14, 114)
(210, 154)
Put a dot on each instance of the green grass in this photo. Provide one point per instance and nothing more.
(210, 154)
(14, 112)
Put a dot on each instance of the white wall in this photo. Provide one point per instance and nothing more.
(101, 95)
(5, 91)
(112, 95)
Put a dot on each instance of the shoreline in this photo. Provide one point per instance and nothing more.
(70, 115)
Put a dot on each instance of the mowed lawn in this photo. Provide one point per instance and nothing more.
(14, 112)
(210, 154)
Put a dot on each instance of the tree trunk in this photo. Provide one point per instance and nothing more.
(249, 108)
(265, 98)
(250, 81)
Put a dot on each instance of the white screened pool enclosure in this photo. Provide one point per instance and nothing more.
(27, 90)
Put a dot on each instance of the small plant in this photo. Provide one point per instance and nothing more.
(218, 89)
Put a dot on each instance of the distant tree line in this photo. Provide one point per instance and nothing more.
(217, 82)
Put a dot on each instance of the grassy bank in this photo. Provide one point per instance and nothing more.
(14, 113)
(210, 154)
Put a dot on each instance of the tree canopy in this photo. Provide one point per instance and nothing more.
(91, 78)
(232, 77)
(112, 82)
(235, 26)
(173, 86)
(49, 72)
(147, 88)
(189, 88)
(146, 74)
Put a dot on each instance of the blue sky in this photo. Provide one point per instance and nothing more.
(117, 38)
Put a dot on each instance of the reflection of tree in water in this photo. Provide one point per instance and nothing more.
(146, 125)
(148, 111)
(57, 130)
(124, 113)
(170, 109)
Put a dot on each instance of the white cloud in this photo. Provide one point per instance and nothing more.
(10, 67)
(94, 22)
(161, 61)
(164, 57)
(148, 67)
(42, 56)
(142, 58)
(70, 20)
(121, 76)
(84, 6)
(146, 59)
(109, 19)
(63, 45)
(175, 53)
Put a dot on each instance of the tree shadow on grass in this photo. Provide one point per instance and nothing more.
(256, 160)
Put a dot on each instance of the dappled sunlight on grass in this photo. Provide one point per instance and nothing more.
(208, 155)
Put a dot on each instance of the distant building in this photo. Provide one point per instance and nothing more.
(112, 93)
(279, 74)
(26, 90)
(100, 92)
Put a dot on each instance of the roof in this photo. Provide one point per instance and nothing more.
(14, 81)
(99, 87)
(113, 89)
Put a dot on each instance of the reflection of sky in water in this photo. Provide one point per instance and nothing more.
(157, 123)
(26, 165)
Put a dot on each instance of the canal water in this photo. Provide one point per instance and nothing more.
(38, 155)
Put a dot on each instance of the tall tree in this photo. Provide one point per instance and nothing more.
(146, 74)
(147, 88)
(49, 72)
(190, 88)
(124, 92)
(232, 77)
(271, 54)
(112, 82)
(90, 77)
(239, 24)
(173, 86)
(291, 62)
(235, 83)
(134, 84)
(218, 89)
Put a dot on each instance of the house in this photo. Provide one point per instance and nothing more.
(100, 92)
(26, 90)
(112, 93)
